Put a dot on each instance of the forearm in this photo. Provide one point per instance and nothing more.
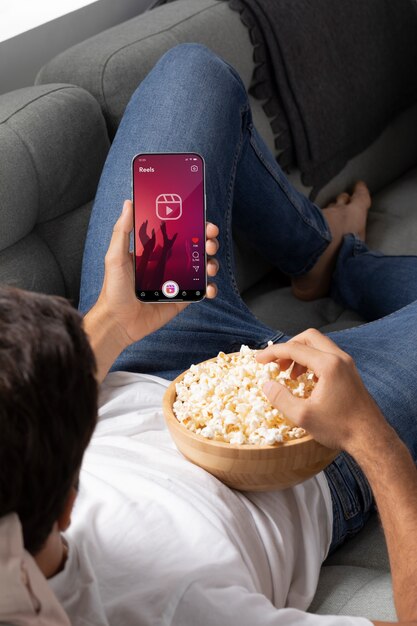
(106, 338)
(393, 478)
(340, 413)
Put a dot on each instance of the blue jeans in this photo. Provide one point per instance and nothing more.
(192, 101)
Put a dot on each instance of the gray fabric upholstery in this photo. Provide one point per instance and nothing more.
(112, 64)
(361, 591)
(119, 58)
(355, 580)
(387, 158)
(53, 144)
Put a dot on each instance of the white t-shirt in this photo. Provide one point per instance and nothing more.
(155, 540)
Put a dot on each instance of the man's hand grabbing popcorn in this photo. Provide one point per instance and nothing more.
(222, 399)
(340, 412)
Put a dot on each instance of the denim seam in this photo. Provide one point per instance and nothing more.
(362, 481)
(337, 536)
(276, 337)
(348, 501)
(244, 111)
(326, 235)
(229, 241)
(293, 201)
(290, 197)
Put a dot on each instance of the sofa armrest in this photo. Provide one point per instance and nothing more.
(53, 143)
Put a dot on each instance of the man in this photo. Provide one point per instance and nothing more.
(153, 538)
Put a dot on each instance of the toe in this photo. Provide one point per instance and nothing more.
(343, 198)
(361, 194)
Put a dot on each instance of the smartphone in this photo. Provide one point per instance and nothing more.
(169, 210)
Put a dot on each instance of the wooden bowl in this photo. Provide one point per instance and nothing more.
(248, 467)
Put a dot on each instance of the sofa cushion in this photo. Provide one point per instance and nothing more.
(355, 579)
(355, 591)
(382, 163)
(54, 142)
(111, 64)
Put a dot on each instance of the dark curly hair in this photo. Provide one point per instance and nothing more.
(48, 407)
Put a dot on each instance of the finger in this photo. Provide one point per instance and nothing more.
(315, 339)
(125, 220)
(212, 230)
(212, 267)
(281, 398)
(119, 243)
(297, 370)
(211, 291)
(212, 245)
(284, 364)
(302, 354)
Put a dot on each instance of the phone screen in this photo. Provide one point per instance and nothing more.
(169, 226)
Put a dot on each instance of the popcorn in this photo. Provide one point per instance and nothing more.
(223, 400)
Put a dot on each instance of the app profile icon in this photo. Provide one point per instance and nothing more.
(170, 289)
(168, 206)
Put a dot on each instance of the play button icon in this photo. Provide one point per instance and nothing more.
(169, 206)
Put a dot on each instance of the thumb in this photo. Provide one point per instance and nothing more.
(119, 243)
(282, 399)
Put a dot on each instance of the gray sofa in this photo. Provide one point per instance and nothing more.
(53, 141)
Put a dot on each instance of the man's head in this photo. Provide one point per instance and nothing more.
(48, 407)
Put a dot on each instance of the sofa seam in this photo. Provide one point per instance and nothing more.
(26, 147)
(28, 152)
(52, 253)
(23, 142)
(33, 229)
(69, 86)
(159, 32)
(360, 588)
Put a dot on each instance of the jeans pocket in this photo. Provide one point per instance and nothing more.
(352, 498)
(345, 486)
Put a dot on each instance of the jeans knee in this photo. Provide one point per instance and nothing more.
(199, 63)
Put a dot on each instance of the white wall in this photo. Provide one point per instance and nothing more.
(23, 55)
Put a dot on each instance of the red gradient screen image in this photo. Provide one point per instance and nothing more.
(168, 195)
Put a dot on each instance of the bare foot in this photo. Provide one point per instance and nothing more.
(347, 215)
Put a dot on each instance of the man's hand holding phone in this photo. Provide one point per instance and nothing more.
(118, 318)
